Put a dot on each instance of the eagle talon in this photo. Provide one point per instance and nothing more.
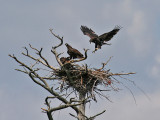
(95, 50)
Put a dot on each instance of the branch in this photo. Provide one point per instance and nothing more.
(62, 99)
(57, 36)
(54, 48)
(32, 77)
(46, 100)
(30, 73)
(73, 116)
(64, 106)
(56, 55)
(45, 63)
(116, 74)
(91, 118)
(104, 64)
(45, 60)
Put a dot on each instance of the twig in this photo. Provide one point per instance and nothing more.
(91, 118)
(57, 36)
(104, 64)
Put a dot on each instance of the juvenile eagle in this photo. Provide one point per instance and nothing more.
(99, 40)
(64, 59)
(74, 53)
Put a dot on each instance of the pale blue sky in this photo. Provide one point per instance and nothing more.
(136, 48)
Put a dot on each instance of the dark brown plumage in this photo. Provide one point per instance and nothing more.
(74, 53)
(64, 59)
(102, 39)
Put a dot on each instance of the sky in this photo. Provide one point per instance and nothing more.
(136, 48)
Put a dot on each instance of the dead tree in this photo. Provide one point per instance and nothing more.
(70, 78)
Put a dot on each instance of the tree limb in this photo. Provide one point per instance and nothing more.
(104, 64)
(91, 118)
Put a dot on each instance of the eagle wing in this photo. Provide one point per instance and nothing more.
(88, 32)
(76, 53)
(109, 35)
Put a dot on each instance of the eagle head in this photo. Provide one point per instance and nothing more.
(68, 46)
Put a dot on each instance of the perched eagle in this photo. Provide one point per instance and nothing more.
(74, 53)
(99, 40)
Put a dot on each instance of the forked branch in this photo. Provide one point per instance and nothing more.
(55, 47)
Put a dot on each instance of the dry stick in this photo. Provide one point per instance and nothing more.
(57, 36)
(73, 116)
(40, 54)
(101, 94)
(128, 89)
(91, 118)
(137, 87)
(36, 59)
(116, 74)
(54, 48)
(104, 64)
(64, 106)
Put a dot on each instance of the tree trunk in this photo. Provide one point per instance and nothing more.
(81, 107)
(49, 114)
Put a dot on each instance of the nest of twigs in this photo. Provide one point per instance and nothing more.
(82, 79)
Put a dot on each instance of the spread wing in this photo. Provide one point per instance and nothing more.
(109, 35)
(88, 32)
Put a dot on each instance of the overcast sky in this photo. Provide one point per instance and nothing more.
(136, 48)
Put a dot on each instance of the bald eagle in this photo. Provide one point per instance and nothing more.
(99, 40)
(74, 53)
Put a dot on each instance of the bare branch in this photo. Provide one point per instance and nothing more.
(57, 36)
(73, 116)
(39, 60)
(26, 72)
(56, 55)
(64, 106)
(104, 64)
(22, 64)
(118, 74)
(91, 118)
(35, 74)
(54, 48)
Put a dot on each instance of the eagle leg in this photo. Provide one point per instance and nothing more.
(95, 50)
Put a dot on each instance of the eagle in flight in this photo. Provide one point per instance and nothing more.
(99, 40)
(74, 53)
